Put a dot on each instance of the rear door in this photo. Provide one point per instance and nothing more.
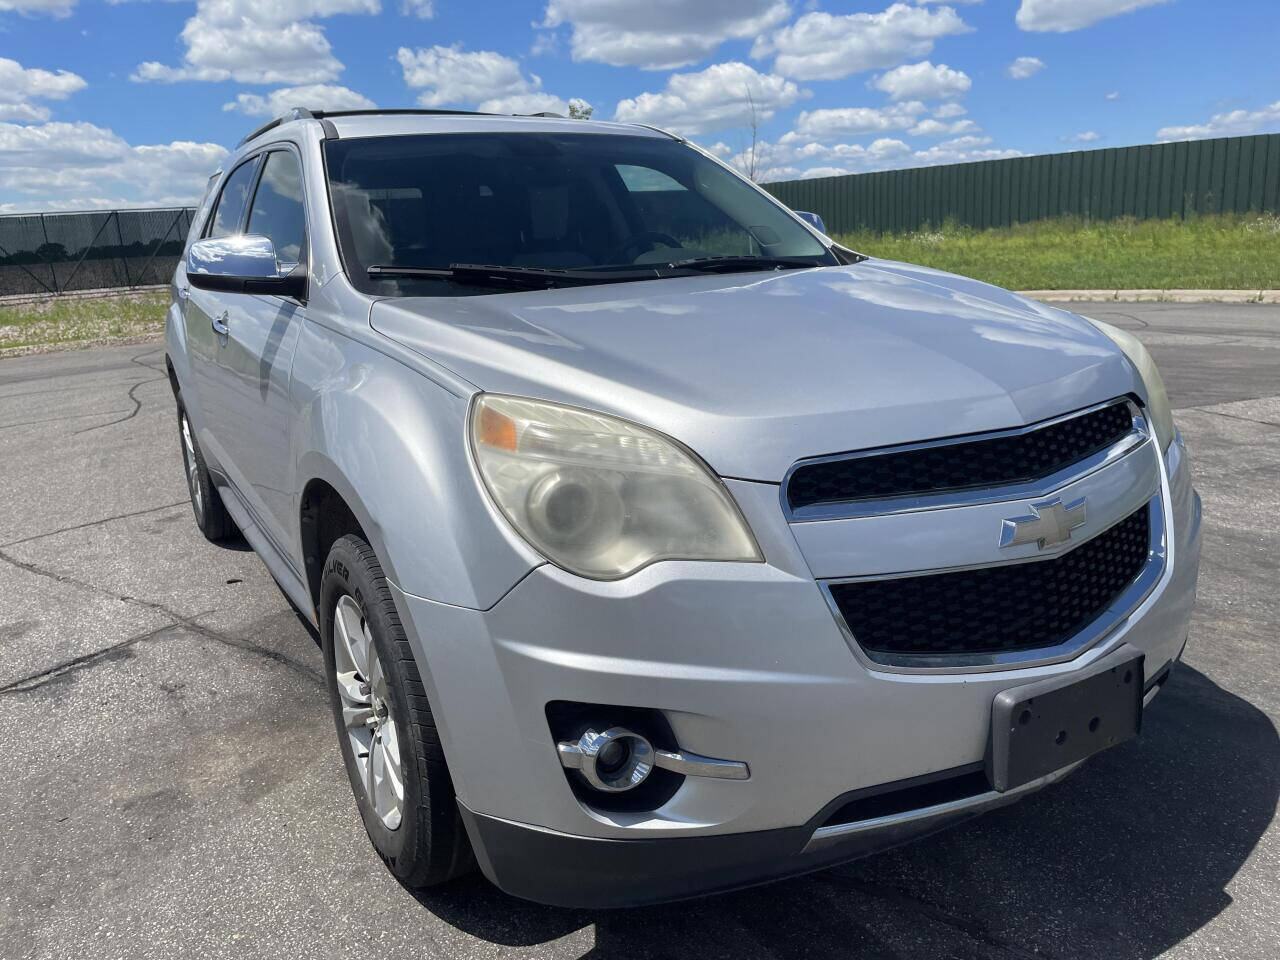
(255, 356)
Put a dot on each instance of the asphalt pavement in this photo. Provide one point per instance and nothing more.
(172, 786)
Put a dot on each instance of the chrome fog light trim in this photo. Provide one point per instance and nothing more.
(584, 755)
(592, 752)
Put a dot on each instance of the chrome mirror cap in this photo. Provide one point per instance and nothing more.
(244, 264)
(243, 257)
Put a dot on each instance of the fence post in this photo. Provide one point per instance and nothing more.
(53, 273)
(124, 260)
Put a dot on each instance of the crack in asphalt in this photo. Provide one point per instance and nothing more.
(1235, 416)
(176, 619)
(34, 681)
(137, 406)
(37, 393)
(972, 929)
(70, 416)
(93, 523)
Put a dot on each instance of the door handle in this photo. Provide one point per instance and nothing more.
(220, 326)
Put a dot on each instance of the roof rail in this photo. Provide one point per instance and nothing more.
(297, 113)
(302, 113)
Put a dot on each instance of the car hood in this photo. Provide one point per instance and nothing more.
(755, 371)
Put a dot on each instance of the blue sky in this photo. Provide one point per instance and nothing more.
(135, 102)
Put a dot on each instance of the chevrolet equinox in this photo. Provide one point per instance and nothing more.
(658, 545)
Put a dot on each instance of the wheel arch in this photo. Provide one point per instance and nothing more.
(329, 508)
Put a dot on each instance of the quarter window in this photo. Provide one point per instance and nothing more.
(278, 212)
(229, 213)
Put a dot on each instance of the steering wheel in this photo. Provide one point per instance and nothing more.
(650, 238)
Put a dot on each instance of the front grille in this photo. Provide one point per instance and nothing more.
(1019, 457)
(993, 610)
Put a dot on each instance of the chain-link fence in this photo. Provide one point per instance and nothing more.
(54, 253)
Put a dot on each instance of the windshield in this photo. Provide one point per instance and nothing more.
(536, 201)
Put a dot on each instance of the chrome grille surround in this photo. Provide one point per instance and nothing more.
(838, 510)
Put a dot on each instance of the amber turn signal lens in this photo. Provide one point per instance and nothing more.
(497, 429)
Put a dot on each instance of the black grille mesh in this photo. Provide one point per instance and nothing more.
(1020, 606)
(992, 462)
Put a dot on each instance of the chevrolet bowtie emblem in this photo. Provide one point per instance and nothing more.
(1050, 522)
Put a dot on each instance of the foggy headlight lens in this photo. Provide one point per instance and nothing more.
(1158, 410)
(599, 496)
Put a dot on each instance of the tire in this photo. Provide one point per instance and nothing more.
(426, 844)
(211, 513)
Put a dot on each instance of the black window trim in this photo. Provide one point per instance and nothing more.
(258, 158)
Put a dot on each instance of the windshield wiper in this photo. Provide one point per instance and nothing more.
(530, 278)
(728, 263)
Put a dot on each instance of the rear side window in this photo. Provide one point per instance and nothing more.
(229, 213)
(277, 212)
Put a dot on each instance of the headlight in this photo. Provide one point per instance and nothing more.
(599, 496)
(1158, 410)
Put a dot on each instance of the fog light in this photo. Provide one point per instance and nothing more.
(614, 761)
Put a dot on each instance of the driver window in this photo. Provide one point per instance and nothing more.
(277, 212)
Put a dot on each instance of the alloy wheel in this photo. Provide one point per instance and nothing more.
(189, 461)
(366, 712)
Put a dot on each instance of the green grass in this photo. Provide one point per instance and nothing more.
(1206, 253)
(68, 321)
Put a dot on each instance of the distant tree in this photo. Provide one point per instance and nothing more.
(579, 109)
(51, 251)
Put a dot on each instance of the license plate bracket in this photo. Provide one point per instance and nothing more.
(1041, 727)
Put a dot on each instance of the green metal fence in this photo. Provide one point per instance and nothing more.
(1230, 175)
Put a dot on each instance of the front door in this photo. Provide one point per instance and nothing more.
(255, 356)
(205, 313)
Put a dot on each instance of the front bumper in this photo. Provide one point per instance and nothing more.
(747, 663)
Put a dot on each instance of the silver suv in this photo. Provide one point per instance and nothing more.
(656, 544)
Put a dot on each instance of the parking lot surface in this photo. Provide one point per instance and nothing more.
(172, 786)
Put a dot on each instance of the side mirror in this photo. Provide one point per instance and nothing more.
(244, 264)
(812, 219)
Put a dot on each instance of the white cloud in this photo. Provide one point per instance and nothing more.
(1062, 16)
(489, 81)
(936, 128)
(19, 85)
(1025, 67)
(959, 151)
(54, 8)
(1085, 136)
(422, 9)
(315, 96)
(821, 46)
(1232, 124)
(712, 99)
(792, 158)
(249, 42)
(923, 81)
(451, 75)
(659, 34)
(28, 112)
(829, 123)
(74, 165)
(1113, 95)
(949, 110)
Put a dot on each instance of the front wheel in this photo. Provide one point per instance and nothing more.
(386, 732)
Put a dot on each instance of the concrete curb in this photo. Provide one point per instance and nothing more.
(1158, 296)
